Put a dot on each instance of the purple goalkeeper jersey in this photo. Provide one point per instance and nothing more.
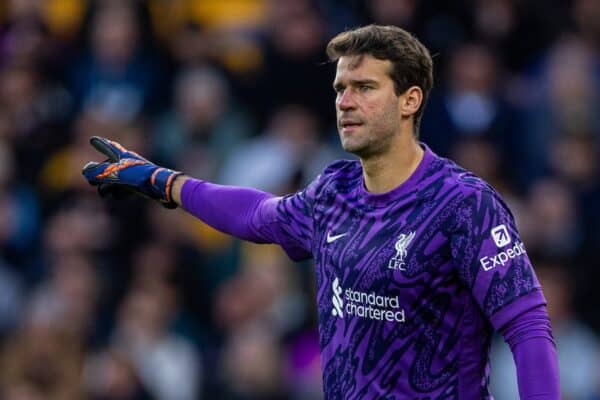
(410, 282)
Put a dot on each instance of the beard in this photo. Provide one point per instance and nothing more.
(371, 139)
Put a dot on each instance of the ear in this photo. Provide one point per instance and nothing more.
(410, 101)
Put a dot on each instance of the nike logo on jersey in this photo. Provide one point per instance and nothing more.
(331, 239)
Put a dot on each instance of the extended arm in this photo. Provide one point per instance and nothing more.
(249, 214)
(230, 209)
(530, 339)
(243, 212)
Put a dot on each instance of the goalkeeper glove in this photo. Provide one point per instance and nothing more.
(128, 171)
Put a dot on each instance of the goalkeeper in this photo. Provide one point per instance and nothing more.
(417, 260)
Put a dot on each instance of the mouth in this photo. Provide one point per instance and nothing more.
(348, 125)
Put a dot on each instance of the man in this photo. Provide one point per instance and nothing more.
(416, 259)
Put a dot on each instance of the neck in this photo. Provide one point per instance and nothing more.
(387, 171)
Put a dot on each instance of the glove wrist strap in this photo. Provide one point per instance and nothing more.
(162, 181)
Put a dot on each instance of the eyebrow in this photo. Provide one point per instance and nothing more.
(355, 82)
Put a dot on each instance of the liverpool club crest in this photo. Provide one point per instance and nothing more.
(397, 262)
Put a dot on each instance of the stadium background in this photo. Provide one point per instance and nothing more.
(125, 300)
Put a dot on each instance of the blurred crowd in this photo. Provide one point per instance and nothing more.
(122, 299)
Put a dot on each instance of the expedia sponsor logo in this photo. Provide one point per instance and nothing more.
(503, 257)
(501, 236)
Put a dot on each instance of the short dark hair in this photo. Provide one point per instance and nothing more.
(411, 61)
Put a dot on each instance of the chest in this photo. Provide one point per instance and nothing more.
(381, 248)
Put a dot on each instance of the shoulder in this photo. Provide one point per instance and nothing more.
(471, 194)
(463, 180)
(340, 175)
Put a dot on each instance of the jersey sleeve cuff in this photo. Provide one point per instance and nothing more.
(517, 307)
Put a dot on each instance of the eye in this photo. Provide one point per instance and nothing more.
(364, 88)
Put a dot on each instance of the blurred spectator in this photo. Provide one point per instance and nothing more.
(574, 158)
(564, 103)
(586, 14)
(118, 78)
(12, 299)
(245, 350)
(471, 105)
(68, 299)
(289, 146)
(82, 225)
(495, 20)
(168, 364)
(110, 375)
(266, 292)
(393, 12)
(212, 30)
(33, 109)
(267, 308)
(42, 360)
(153, 264)
(294, 69)
(204, 125)
(19, 212)
(25, 39)
(62, 17)
(553, 215)
(517, 31)
(23, 391)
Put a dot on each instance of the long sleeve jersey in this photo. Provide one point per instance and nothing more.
(411, 283)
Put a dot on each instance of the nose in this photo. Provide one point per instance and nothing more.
(345, 100)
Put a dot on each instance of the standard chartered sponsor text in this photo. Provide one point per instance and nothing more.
(373, 306)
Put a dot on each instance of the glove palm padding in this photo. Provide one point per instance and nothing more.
(126, 171)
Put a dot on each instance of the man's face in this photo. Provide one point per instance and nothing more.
(367, 107)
